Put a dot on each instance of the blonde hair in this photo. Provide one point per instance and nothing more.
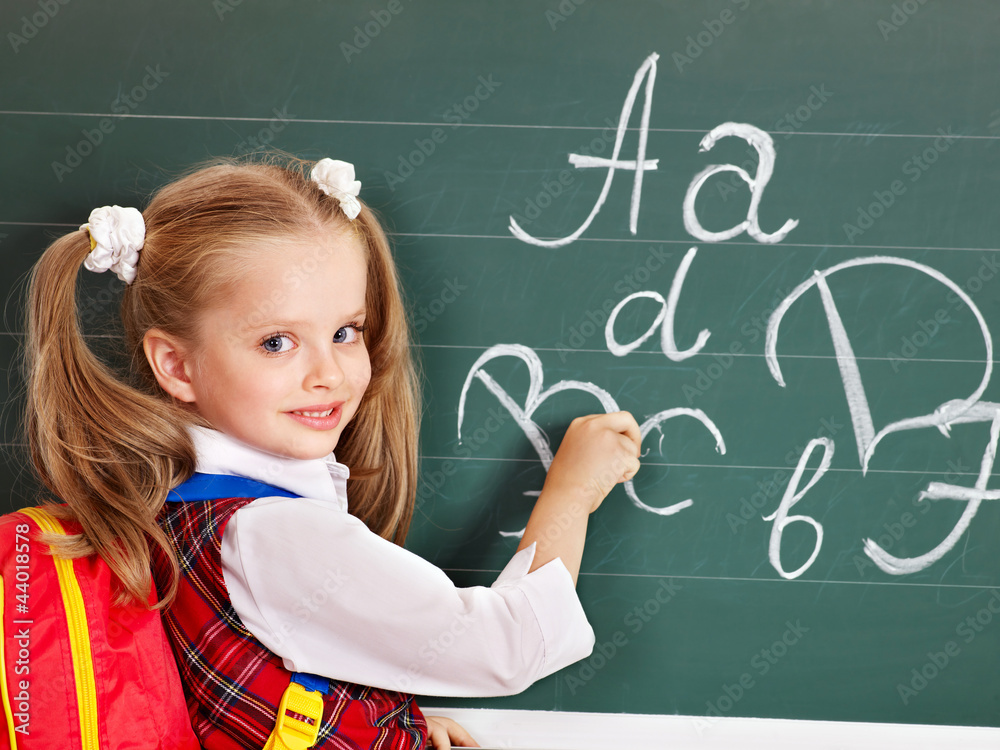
(111, 448)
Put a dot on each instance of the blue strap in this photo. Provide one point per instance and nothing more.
(312, 682)
(216, 486)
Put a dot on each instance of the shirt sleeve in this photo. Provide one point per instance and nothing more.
(330, 597)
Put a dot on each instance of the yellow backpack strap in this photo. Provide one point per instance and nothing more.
(3, 673)
(300, 714)
(79, 633)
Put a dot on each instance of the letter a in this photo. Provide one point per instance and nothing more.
(639, 165)
(764, 146)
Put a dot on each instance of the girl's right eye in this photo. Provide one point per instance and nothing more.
(276, 343)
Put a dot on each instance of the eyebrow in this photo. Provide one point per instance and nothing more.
(277, 324)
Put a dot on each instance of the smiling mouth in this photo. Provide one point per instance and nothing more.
(319, 419)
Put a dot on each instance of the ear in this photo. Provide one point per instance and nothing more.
(171, 364)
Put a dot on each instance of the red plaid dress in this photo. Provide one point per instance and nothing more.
(232, 682)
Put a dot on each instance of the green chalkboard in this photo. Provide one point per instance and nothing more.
(869, 251)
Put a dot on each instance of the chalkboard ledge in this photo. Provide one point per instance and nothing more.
(553, 730)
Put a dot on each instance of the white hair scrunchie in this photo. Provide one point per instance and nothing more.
(116, 237)
(336, 179)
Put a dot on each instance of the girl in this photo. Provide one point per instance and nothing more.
(265, 327)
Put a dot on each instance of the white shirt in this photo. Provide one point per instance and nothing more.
(330, 597)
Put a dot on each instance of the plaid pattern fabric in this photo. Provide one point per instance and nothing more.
(232, 682)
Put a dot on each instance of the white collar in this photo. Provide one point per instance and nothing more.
(320, 478)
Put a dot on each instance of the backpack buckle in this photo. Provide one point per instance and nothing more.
(300, 714)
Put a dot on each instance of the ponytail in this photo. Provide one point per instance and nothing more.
(109, 451)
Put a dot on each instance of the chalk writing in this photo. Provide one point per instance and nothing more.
(757, 138)
(764, 147)
(789, 499)
(648, 71)
(665, 319)
(536, 396)
(969, 409)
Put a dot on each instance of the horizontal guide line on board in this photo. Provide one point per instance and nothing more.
(741, 467)
(625, 240)
(567, 350)
(693, 241)
(977, 587)
(662, 464)
(477, 347)
(449, 124)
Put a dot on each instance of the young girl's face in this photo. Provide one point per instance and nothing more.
(282, 366)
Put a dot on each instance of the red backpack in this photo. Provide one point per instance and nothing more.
(80, 671)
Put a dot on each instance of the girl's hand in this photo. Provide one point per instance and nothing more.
(598, 452)
(443, 734)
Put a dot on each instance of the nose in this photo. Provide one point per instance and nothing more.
(324, 370)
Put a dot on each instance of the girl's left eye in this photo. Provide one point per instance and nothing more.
(276, 344)
(348, 334)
